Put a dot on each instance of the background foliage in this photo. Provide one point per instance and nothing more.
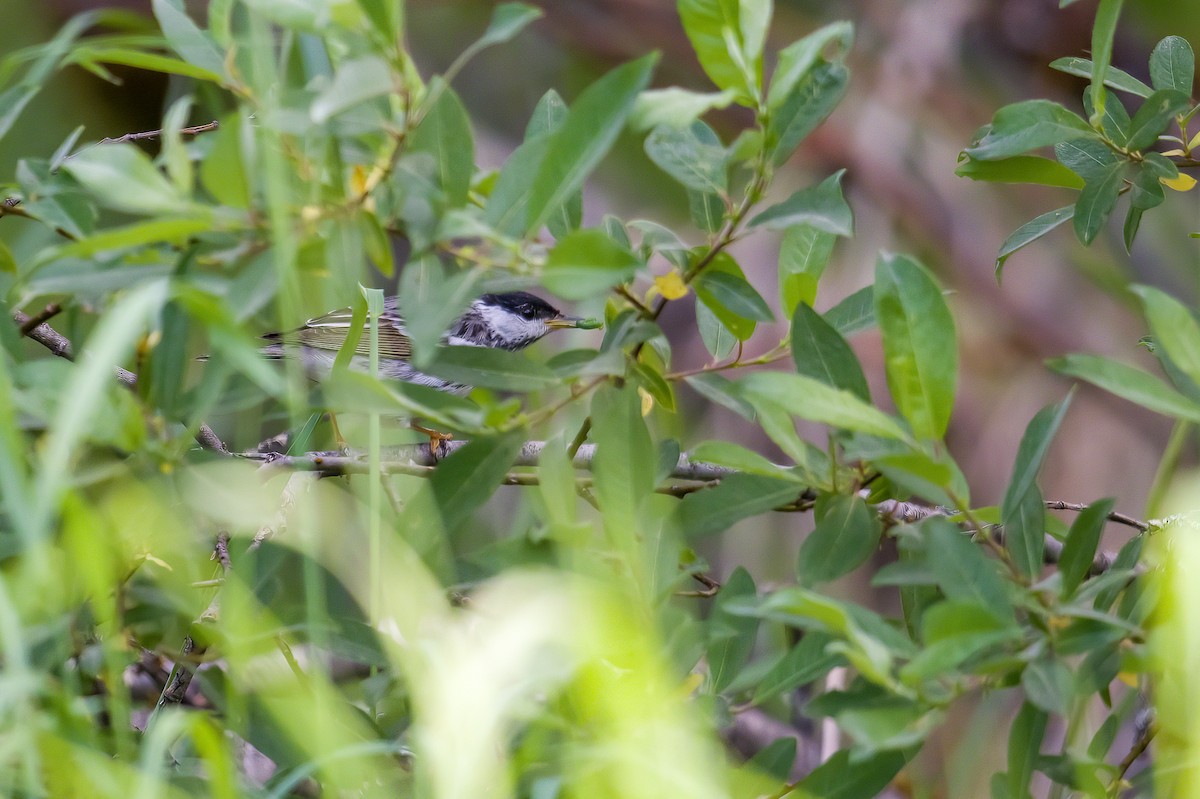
(418, 628)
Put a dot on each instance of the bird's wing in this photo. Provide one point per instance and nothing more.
(327, 332)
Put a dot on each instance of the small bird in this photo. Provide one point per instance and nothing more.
(510, 321)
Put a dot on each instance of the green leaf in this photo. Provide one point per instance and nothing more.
(1024, 744)
(736, 497)
(491, 368)
(813, 400)
(714, 28)
(120, 176)
(1020, 169)
(692, 155)
(142, 60)
(803, 109)
(1103, 31)
(355, 81)
(841, 778)
(1022, 508)
(845, 536)
(819, 351)
(1088, 158)
(822, 206)
(223, 171)
(624, 463)
(918, 344)
(167, 230)
(1175, 329)
(1173, 65)
(1113, 78)
(805, 662)
(1048, 685)
(1031, 231)
(1115, 121)
(854, 313)
(718, 289)
(718, 339)
(735, 456)
(1025, 126)
(585, 263)
(466, 479)
(674, 106)
(798, 60)
(508, 19)
(188, 40)
(1129, 383)
(961, 569)
(803, 256)
(1080, 547)
(589, 131)
(445, 133)
(1152, 119)
(1097, 201)
(430, 302)
(720, 390)
(731, 637)
(954, 631)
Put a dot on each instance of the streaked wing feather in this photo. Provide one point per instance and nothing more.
(327, 332)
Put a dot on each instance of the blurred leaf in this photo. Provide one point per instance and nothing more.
(962, 570)
(731, 637)
(623, 466)
(491, 368)
(804, 108)
(585, 263)
(49, 57)
(854, 313)
(722, 391)
(718, 339)
(355, 81)
(1024, 743)
(692, 155)
(798, 59)
(1175, 329)
(839, 777)
(954, 631)
(87, 56)
(1103, 30)
(736, 497)
(165, 230)
(1025, 126)
(805, 662)
(674, 106)
(651, 379)
(803, 256)
(1048, 685)
(508, 19)
(469, 476)
(918, 344)
(590, 129)
(193, 44)
(820, 352)
(1154, 116)
(714, 28)
(813, 400)
(1022, 509)
(723, 291)
(1113, 77)
(1173, 65)
(1020, 169)
(1125, 381)
(1031, 231)
(120, 176)
(821, 206)
(223, 171)
(774, 760)
(547, 117)
(445, 133)
(845, 536)
(1080, 546)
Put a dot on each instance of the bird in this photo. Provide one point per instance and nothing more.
(508, 321)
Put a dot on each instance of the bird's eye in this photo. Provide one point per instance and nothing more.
(528, 312)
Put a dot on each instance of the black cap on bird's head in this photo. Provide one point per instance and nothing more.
(512, 320)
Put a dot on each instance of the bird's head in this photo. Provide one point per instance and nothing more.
(516, 319)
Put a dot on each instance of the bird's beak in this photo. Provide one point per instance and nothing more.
(572, 321)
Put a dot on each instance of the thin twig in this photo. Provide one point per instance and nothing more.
(154, 134)
(41, 317)
(1139, 747)
(1119, 518)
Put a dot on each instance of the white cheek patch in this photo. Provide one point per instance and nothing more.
(509, 326)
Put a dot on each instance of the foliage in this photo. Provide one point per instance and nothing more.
(416, 630)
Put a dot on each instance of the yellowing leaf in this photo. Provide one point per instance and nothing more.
(647, 401)
(691, 684)
(1128, 678)
(671, 285)
(1181, 183)
(358, 180)
(1195, 142)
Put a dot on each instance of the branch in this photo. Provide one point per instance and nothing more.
(61, 346)
(154, 134)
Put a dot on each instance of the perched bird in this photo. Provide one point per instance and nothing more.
(510, 321)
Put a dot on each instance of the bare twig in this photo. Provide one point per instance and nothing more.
(1136, 751)
(61, 346)
(154, 134)
(39, 318)
(1119, 518)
